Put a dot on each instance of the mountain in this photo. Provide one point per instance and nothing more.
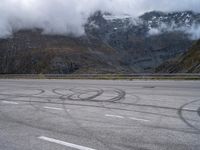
(145, 42)
(30, 52)
(111, 44)
(187, 63)
(134, 38)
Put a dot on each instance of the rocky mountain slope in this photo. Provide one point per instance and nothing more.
(187, 63)
(111, 44)
(31, 52)
(147, 41)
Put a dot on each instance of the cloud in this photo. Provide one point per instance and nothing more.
(192, 31)
(163, 27)
(69, 16)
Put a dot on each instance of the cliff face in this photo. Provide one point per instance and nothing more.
(187, 63)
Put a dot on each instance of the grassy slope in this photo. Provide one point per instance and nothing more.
(187, 63)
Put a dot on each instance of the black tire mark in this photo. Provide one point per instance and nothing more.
(98, 93)
(9, 97)
(55, 91)
(79, 92)
(64, 117)
(78, 124)
(38, 126)
(121, 95)
(198, 111)
(172, 129)
(90, 106)
(106, 107)
(180, 113)
(111, 103)
(41, 91)
(30, 100)
(32, 105)
(104, 102)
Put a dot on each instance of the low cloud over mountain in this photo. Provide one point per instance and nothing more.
(66, 17)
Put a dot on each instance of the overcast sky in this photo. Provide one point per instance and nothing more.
(68, 16)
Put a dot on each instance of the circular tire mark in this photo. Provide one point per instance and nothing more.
(180, 113)
(75, 94)
(90, 98)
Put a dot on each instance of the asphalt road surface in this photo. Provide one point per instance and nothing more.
(99, 115)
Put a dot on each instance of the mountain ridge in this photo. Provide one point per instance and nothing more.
(119, 44)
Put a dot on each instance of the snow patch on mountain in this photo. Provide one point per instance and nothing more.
(115, 17)
(186, 22)
(193, 31)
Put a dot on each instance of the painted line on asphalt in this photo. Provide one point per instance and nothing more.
(114, 116)
(122, 117)
(53, 108)
(188, 109)
(71, 145)
(9, 102)
(138, 119)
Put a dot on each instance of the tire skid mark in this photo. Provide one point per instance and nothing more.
(78, 92)
(198, 111)
(63, 102)
(180, 113)
(106, 107)
(104, 103)
(78, 124)
(40, 91)
(37, 108)
(98, 93)
(37, 125)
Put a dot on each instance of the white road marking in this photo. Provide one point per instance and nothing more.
(188, 109)
(53, 108)
(79, 147)
(138, 119)
(122, 117)
(9, 102)
(114, 116)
